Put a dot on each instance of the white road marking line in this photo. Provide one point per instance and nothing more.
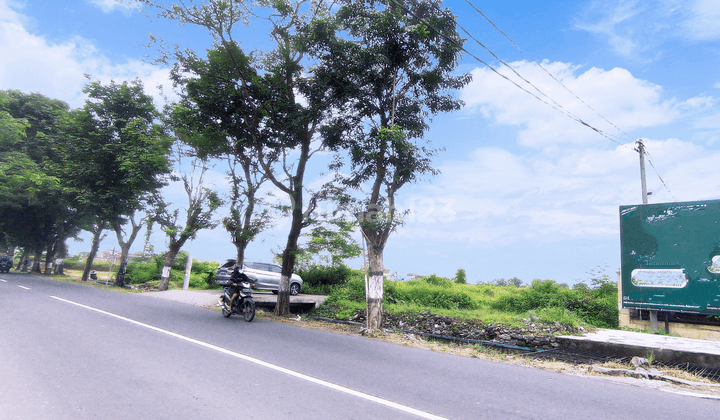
(299, 375)
(23, 287)
(3, 280)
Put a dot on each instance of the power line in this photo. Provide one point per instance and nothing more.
(539, 65)
(658, 175)
(652, 164)
(558, 108)
(568, 114)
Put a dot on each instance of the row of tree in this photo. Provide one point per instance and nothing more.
(357, 78)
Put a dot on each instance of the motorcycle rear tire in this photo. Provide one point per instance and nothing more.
(248, 310)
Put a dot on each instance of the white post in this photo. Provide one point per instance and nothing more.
(188, 267)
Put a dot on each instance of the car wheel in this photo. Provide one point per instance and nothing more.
(294, 289)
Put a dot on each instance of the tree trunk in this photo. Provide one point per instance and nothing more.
(36, 262)
(97, 238)
(23, 263)
(49, 259)
(59, 267)
(282, 308)
(173, 250)
(374, 297)
(125, 249)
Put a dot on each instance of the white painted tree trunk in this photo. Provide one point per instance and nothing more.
(374, 296)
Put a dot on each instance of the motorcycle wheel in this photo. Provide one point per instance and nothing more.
(248, 310)
(225, 312)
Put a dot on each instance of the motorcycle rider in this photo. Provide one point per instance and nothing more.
(235, 278)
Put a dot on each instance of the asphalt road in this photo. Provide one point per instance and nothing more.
(74, 352)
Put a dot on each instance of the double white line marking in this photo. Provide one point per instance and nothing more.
(277, 368)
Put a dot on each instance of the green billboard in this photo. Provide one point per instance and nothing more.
(670, 256)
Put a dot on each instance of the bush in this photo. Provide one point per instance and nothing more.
(319, 275)
(597, 307)
(323, 280)
(141, 272)
(434, 280)
(202, 273)
(437, 295)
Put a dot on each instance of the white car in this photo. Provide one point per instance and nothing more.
(266, 276)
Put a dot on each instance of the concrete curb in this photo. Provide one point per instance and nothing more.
(666, 349)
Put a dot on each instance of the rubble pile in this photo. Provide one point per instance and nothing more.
(532, 334)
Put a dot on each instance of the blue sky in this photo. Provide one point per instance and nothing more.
(524, 190)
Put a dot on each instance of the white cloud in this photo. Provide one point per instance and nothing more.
(616, 95)
(108, 6)
(633, 28)
(32, 63)
(703, 22)
(499, 198)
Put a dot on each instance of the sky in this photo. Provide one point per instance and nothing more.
(525, 190)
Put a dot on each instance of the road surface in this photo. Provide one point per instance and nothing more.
(73, 352)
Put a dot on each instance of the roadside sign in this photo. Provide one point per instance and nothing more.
(670, 256)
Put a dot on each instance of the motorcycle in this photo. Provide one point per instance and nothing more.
(5, 264)
(237, 297)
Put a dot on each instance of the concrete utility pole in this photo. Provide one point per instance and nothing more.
(188, 268)
(654, 325)
(641, 151)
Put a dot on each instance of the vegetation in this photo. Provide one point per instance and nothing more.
(202, 274)
(323, 280)
(543, 301)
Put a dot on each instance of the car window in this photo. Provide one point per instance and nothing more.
(229, 264)
(275, 268)
(253, 266)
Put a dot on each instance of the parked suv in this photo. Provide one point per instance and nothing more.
(266, 276)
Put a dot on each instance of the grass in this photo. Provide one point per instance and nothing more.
(542, 302)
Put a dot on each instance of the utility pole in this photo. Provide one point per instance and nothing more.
(654, 326)
(188, 268)
(641, 151)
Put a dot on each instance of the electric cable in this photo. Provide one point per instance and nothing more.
(462, 48)
(650, 161)
(542, 67)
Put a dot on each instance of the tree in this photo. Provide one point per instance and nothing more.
(125, 244)
(460, 276)
(117, 154)
(515, 281)
(331, 243)
(202, 204)
(216, 118)
(36, 210)
(282, 124)
(398, 65)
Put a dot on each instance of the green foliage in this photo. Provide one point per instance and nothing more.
(435, 281)
(597, 307)
(202, 273)
(319, 275)
(332, 243)
(72, 264)
(460, 276)
(141, 272)
(441, 295)
(543, 301)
